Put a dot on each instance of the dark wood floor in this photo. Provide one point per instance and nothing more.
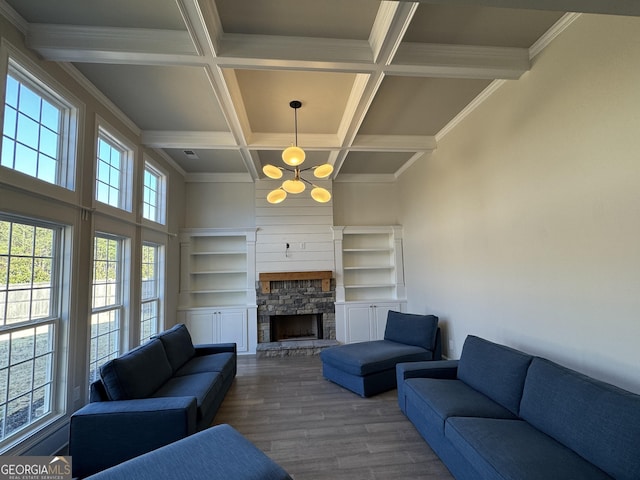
(317, 430)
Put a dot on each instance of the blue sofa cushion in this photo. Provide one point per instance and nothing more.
(597, 420)
(411, 329)
(512, 449)
(371, 357)
(136, 374)
(495, 370)
(440, 399)
(217, 362)
(217, 452)
(178, 345)
(203, 386)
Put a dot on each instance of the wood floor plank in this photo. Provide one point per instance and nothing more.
(317, 430)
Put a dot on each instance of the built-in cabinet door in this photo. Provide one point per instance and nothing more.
(233, 328)
(366, 321)
(201, 326)
(358, 323)
(218, 326)
(379, 312)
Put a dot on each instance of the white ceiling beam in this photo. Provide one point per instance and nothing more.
(612, 7)
(71, 43)
(309, 141)
(459, 61)
(323, 50)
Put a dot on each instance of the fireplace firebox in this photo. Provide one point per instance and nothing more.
(296, 327)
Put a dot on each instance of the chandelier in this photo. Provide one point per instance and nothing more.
(294, 156)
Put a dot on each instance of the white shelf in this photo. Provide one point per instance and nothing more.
(217, 267)
(369, 263)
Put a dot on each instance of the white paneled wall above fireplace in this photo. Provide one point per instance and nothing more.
(299, 222)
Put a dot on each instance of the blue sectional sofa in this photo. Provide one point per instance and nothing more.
(501, 414)
(218, 452)
(369, 368)
(160, 392)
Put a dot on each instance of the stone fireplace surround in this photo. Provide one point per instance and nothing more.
(293, 294)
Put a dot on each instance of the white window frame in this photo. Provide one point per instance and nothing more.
(52, 321)
(157, 296)
(125, 185)
(160, 201)
(14, 61)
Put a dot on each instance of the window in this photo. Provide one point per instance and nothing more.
(153, 189)
(30, 254)
(38, 135)
(106, 304)
(113, 172)
(151, 291)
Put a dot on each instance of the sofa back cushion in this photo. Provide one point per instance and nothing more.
(411, 329)
(178, 345)
(596, 420)
(495, 370)
(136, 374)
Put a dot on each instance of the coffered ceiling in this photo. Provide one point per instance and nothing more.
(380, 82)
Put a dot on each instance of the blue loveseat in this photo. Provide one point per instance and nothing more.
(501, 414)
(160, 392)
(369, 368)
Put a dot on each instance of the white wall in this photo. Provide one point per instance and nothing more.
(365, 203)
(219, 205)
(524, 226)
(299, 222)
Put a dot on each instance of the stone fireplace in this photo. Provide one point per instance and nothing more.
(296, 306)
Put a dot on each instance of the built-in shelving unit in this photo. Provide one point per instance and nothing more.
(217, 282)
(369, 280)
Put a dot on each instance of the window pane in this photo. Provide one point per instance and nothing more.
(50, 116)
(10, 122)
(29, 102)
(8, 150)
(28, 131)
(26, 160)
(12, 92)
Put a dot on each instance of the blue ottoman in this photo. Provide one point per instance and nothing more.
(218, 452)
(369, 368)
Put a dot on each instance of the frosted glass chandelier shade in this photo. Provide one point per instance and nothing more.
(272, 171)
(323, 171)
(293, 186)
(293, 156)
(276, 196)
(320, 195)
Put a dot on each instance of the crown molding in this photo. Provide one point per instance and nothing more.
(365, 178)
(550, 35)
(188, 139)
(394, 143)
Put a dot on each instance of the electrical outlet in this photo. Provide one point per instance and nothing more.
(451, 346)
